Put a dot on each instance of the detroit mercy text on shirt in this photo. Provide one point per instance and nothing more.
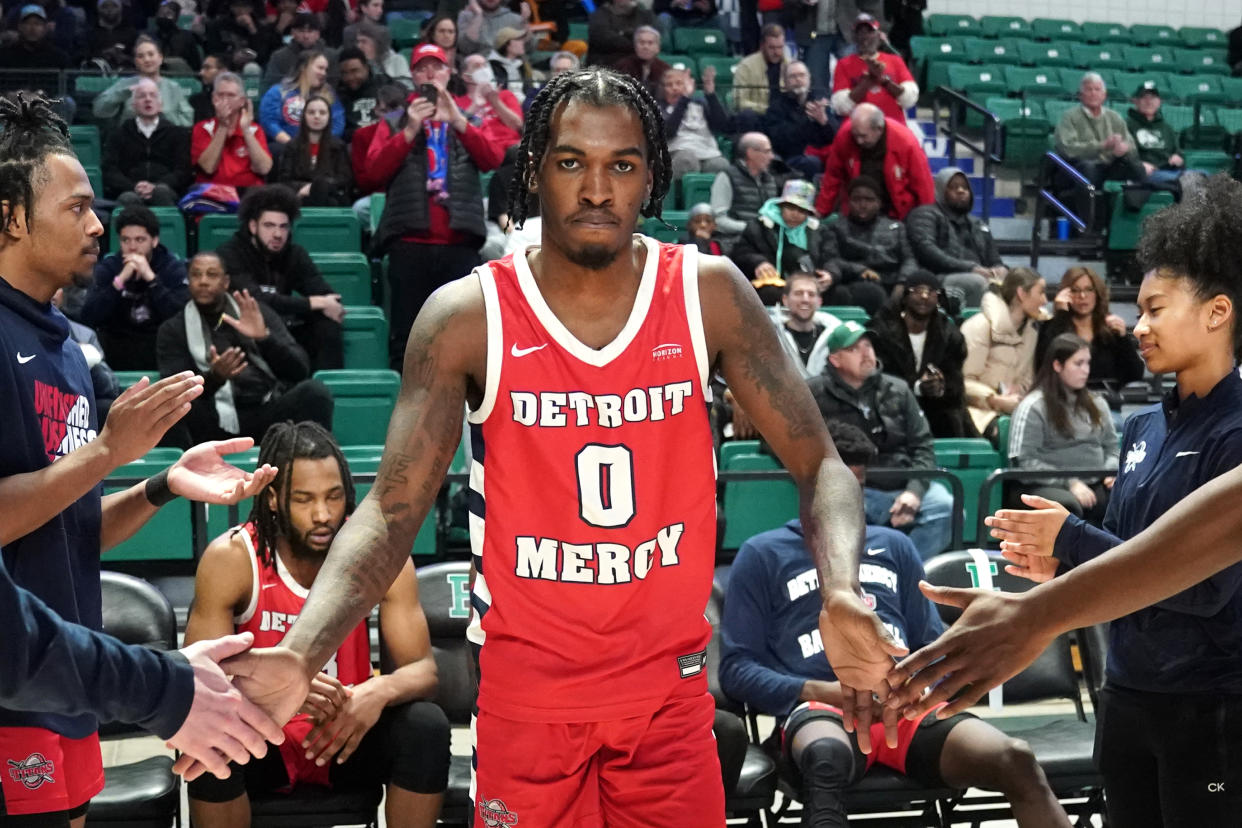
(64, 417)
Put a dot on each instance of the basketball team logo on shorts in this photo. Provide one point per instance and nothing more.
(33, 771)
(493, 813)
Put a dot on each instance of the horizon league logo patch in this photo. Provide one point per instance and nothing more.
(494, 813)
(33, 771)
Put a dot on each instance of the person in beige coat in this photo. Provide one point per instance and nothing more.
(1000, 347)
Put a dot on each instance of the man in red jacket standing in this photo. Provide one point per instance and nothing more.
(887, 151)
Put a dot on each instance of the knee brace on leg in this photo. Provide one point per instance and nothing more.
(827, 767)
(420, 739)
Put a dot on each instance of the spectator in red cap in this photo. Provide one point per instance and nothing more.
(873, 76)
(433, 223)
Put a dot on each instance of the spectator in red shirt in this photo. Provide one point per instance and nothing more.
(872, 76)
(495, 111)
(883, 149)
(433, 223)
(230, 148)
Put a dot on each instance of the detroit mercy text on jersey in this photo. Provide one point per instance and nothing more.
(593, 514)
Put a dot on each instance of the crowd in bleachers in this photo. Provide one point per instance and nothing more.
(270, 220)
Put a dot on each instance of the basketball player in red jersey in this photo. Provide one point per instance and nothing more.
(355, 729)
(585, 364)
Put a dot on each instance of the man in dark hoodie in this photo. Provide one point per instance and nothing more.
(144, 159)
(306, 34)
(134, 291)
(1155, 139)
(852, 390)
(262, 258)
(34, 48)
(951, 243)
(915, 341)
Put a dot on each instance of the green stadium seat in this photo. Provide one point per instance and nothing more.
(190, 84)
(1071, 78)
(404, 31)
(1046, 55)
(366, 337)
(1024, 130)
(127, 378)
(970, 460)
(578, 31)
(485, 180)
(214, 229)
(328, 229)
(165, 537)
(1046, 28)
(733, 448)
(935, 71)
(695, 188)
(94, 174)
(86, 87)
(1037, 82)
(849, 313)
(1145, 34)
(172, 230)
(1124, 83)
(1205, 88)
(1178, 117)
(700, 41)
(86, 146)
(1054, 109)
(1096, 56)
(1125, 225)
(754, 506)
(999, 26)
(1003, 423)
(1003, 52)
(1202, 61)
(1210, 161)
(942, 25)
(1098, 32)
(363, 403)
(658, 228)
(1232, 90)
(678, 61)
(978, 82)
(348, 273)
(1141, 58)
(1201, 38)
(1230, 119)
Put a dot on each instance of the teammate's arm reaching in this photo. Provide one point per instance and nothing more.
(444, 362)
(741, 341)
(999, 634)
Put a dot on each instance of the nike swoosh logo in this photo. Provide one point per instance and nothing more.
(22, 360)
(1185, 453)
(267, 586)
(521, 352)
(875, 551)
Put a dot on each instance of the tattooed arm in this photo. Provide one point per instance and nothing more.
(742, 343)
(444, 364)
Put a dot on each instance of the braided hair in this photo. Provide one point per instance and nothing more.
(601, 88)
(29, 131)
(282, 444)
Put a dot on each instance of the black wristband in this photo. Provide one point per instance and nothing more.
(157, 491)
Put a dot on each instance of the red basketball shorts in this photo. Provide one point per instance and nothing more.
(654, 771)
(44, 772)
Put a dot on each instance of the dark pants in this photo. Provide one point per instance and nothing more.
(161, 196)
(308, 400)
(866, 294)
(408, 747)
(1170, 760)
(415, 271)
(322, 339)
(1097, 172)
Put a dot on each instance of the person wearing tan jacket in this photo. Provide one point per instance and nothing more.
(1000, 347)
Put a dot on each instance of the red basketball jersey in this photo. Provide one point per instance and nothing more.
(593, 514)
(276, 600)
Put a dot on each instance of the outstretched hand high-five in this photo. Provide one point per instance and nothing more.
(861, 653)
(203, 474)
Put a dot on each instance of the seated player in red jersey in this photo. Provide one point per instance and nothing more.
(354, 728)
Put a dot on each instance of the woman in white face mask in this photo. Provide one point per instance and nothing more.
(496, 111)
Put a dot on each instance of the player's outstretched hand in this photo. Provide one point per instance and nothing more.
(997, 636)
(861, 653)
(142, 413)
(1029, 531)
(223, 725)
(203, 474)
